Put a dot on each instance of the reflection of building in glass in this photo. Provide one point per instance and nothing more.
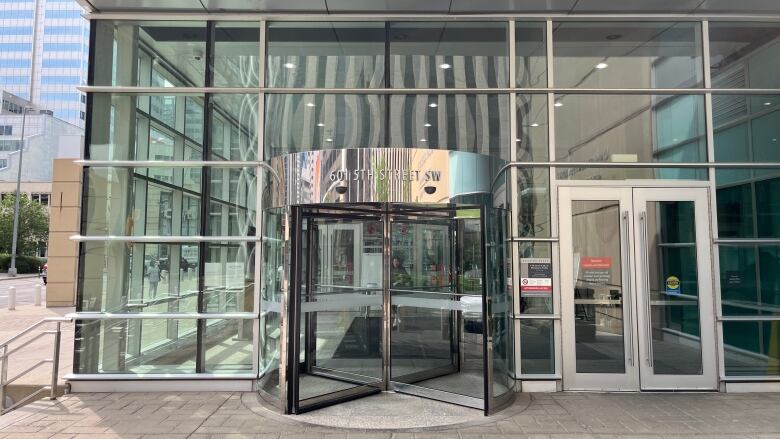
(207, 244)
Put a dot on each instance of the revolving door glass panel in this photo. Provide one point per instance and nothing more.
(436, 338)
(393, 299)
(340, 309)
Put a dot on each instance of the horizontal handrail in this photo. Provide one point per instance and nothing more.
(37, 324)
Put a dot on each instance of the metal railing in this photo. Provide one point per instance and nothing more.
(6, 351)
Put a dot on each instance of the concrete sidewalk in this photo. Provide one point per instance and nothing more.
(559, 415)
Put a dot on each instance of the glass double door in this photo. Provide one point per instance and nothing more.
(636, 285)
(391, 300)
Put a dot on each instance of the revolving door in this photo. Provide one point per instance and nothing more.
(389, 297)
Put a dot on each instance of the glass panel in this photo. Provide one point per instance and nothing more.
(537, 347)
(531, 54)
(234, 127)
(129, 127)
(598, 287)
(124, 201)
(533, 193)
(130, 51)
(448, 54)
(627, 54)
(498, 262)
(750, 348)
(123, 277)
(341, 306)
(326, 55)
(744, 55)
(674, 288)
(425, 309)
(272, 282)
(749, 279)
(531, 141)
(301, 122)
(630, 128)
(236, 55)
(232, 205)
(473, 123)
(229, 277)
(228, 346)
(136, 346)
(535, 300)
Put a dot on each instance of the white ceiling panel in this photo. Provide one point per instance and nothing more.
(637, 6)
(511, 6)
(740, 6)
(147, 5)
(312, 6)
(392, 6)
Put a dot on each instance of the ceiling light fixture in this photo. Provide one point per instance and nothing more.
(427, 125)
(310, 104)
(767, 103)
(320, 124)
(602, 65)
(433, 105)
(328, 139)
(289, 65)
(423, 139)
(444, 66)
(558, 104)
(534, 124)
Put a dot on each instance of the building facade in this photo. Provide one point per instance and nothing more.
(43, 55)
(455, 203)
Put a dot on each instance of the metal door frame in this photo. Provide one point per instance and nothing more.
(638, 375)
(708, 380)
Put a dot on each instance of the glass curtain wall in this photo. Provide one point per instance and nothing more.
(744, 56)
(528, 91)
(127, 283)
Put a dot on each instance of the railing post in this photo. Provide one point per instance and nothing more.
(37, 299)
(55, 363)
(11, 298)
(3, 377)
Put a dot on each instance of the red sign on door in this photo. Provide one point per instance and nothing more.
(591, 263)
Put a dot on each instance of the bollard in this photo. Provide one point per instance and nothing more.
(37, 299)
(11, 298)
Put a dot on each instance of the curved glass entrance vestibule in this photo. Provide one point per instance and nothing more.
(398, 297)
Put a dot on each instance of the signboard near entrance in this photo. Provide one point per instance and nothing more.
(535, 277)
(596, 270)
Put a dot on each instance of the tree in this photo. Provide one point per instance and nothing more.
(33, 225)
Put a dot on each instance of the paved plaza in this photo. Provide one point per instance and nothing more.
(560, 415)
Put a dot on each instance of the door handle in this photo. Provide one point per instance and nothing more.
(646, 279)
(627, 301)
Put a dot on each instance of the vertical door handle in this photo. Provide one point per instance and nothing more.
(648, 309)
(628, 328)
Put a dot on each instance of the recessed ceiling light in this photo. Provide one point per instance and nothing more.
(289, 65)
(444, 66)
(517, 140)
(423, 140)
(534, 124)
(310, 104)
(602, 65)
(433, 105)
(767, 103)
(328, 139)
(427, 124)
(558, 104)
(320, 124)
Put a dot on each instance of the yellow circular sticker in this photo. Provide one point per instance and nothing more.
(673, 285)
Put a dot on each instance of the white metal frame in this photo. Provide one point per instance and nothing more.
(638, 373)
